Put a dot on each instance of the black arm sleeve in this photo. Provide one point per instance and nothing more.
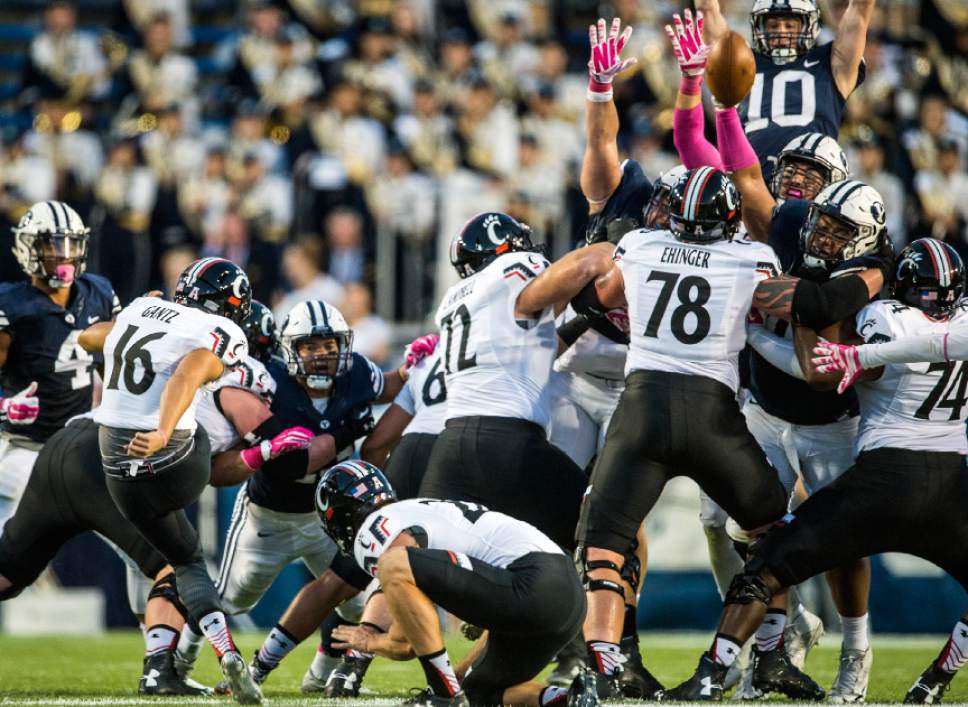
(289, 466)
(267, 430)
(346, 569)
(570, 331)
(586, 302)
(818, 305)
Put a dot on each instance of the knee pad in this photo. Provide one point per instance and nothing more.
(597, 585)
(166, 588)
(632, 568)
(748, 587)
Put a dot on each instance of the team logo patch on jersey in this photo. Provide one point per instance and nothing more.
(518, 270)
(378, 527)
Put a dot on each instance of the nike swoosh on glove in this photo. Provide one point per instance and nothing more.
(288, 440)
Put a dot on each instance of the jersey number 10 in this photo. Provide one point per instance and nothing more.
(808, 101)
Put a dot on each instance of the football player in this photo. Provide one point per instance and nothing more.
(68, 470)
(324, 388)
(911, 445)
(799, 87)
(48, 378)
(484, 567)
(156, 459)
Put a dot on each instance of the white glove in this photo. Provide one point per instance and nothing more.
(606, 58)
(687, 43)
(22, 408)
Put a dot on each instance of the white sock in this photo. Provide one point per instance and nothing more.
(725, 650)
(551, 695)
(189, 644)
(216, 630)
(322, 664)
(855, 632)
(955, 652)
(769, 635)
(160, 638)
(605, 657)
(278, 644)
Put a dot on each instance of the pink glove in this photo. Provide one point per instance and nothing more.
(22, 408)
(286, 441)
(606, 60)
(833, 357)
(687, 43)
(420, 348)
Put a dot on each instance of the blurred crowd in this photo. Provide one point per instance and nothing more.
(331, 146)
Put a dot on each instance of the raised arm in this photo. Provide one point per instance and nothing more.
(716, 25)
(691, 53)
(849, 44)
(601, 170)
(741, 162)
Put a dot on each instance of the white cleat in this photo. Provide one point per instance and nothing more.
(738, 668)
(746, 691)
(850, 685)
(312, 682)
(800, 636)
(239, 680)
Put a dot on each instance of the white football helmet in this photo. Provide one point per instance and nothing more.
(316, 320)
(802, 42)
(819, 150)
(50, 243)
(656, 214)
(845, 221)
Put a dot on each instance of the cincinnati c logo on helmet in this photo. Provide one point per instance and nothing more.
(237, 283)
(490, 223)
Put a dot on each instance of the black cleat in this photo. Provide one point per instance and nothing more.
(636, 682)
(773, 672)
(568, 668)
(158, 677)
(427, 698)
(584, 690)
(346, 678)
(930, 687)
(705, 685)
(607, 686)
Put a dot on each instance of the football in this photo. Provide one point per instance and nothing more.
(730, 69)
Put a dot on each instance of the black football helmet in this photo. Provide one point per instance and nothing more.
(346, 494)
(260, 330)
(485, 237)
(217, 286)
(704, 206)
(930, 276)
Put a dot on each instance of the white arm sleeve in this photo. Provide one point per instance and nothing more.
(779, 352)
(935, 348)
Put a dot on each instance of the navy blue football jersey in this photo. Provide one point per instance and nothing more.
(292, 406)
(781, 395)
(788, 100)
(44, 348)
(628, 201)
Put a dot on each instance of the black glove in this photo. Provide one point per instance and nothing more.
(357, 423)
(888, 258)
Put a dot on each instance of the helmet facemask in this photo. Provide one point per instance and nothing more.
(657, 212)
(784, 45)
(320, 357)
(56, 258)
(799, 177)
(829, 239)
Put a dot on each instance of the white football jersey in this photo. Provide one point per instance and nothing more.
(919, 406)
(463, 528)
(592, 353)
(493, 364)
(249, 375)
(424, 396)
(149, 339)
(688, 302)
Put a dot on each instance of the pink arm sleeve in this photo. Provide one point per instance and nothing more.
(736, 149)
(691, 144)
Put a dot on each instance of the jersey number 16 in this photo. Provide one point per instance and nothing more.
(127, 357)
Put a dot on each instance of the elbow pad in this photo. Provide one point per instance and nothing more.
(817, 305)
(290, 466)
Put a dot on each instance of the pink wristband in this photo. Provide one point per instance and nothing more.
(597, 86)
(734, 147)
(253, 457)
(690, 141)
(690, 85)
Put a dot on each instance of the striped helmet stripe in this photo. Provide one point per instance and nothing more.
(200, 267)
(322, 313)
(940, 260)
(53, 213)
(67, 216)
(312, 312)
(694, 190)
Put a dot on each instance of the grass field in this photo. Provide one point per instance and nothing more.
(104, 670)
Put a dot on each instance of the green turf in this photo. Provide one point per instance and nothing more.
(60, 670)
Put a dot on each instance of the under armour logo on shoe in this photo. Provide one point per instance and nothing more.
(707, 686)
(149, 679)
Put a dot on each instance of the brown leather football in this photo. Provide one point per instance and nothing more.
(730, 69)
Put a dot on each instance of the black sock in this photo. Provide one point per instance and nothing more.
(630, 629)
